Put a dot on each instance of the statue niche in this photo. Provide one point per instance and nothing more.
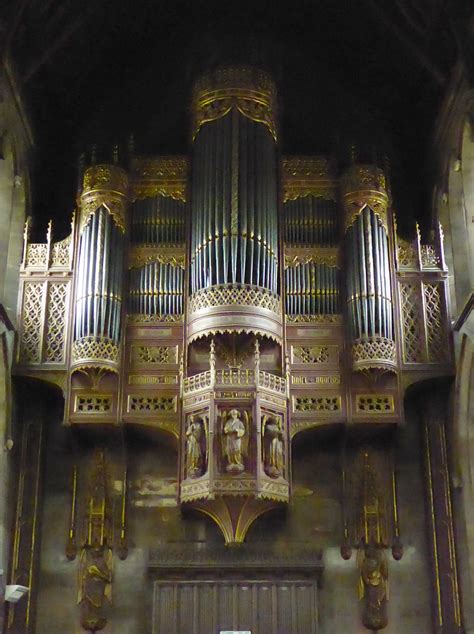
(235, 439)
(196, 445)
(272, 446)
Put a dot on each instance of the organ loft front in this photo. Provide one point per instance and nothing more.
(228, 341)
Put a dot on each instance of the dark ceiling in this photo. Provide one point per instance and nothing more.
(94, 71)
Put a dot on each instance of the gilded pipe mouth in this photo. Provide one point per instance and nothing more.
(250, 90)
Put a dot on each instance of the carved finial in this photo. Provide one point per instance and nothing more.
(418, 232)
(353, 153)
(212, 355)
(257, 354)
(115, 154)
(131, 144)
(49, 231)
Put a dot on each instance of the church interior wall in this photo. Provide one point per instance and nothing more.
(155, 519)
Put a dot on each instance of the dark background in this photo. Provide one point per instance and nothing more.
(355, 71)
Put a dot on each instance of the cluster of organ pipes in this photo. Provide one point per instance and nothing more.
(156, 289)
(312, 289)
(99, 289)
(369, 294)
(158, 220)
(234, 197)
(311, 220)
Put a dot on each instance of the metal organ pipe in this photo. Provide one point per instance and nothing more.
(156, 288)
(99, 288)
(234, 193)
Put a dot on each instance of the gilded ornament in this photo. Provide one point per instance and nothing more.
(249, 90)
(142, 255)
(328, 256)
(364, 186)
(308, 176)
(159, 176)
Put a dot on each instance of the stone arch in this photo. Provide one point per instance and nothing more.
(453, 198)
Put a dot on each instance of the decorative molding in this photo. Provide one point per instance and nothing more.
(154, 355)
(315, 354)
(155, 319)
(374, 404)
(92, 403)
(150, 379)
(308, 176)
(159, 176)
(364, 185)
(375, 353)
(249, 90)
(314, 319)
(151, 404)
(141, 255)
(96, 353)
(326, 404)
(303, 379)
(232, 295)
(330, 256)
(104, 185)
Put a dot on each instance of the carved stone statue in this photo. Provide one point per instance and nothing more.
(95, 586)
(373, 586)
(273, 458)
(195, 447)
(235, 434)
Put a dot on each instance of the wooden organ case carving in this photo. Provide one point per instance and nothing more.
(232, 300)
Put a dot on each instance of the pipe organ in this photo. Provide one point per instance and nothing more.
(233, 299)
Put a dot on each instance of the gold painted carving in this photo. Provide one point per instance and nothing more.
(375, 404)
(249, 90)
(299, 379)
(93, 403)
(314, 319)
(151, 404)
(104, 185)
(317, 404)
(154, 319)
(308, 176)
(437, 343)
(229, 295)
(91, 352)
(364, 185)
(154, 354)
(113, 202)
(375, 353)
(329, 256)
(315, 354)
(412, 323)
(150, 379)
(141, 255)
(160, 176)
(31, 327)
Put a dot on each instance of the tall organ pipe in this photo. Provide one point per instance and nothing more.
(99, 288)
(234, 194)
(369, 301)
